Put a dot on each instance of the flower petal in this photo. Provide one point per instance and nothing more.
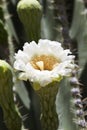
(44, 47)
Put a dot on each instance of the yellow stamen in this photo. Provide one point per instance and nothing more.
(44, 62)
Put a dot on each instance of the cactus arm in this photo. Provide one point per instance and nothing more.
(78, 30)
(63, 107)
(48, 22)
(69, 106)
(11, 117)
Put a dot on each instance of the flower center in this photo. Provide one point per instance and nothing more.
(44, 62)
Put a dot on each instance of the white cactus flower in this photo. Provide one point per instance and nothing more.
(44, 62)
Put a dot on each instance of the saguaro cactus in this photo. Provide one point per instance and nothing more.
(30, 13)
(11, 117)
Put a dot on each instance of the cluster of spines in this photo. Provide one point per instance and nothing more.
(78, 110)
(62, 24)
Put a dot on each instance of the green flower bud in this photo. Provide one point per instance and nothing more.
(30, 12)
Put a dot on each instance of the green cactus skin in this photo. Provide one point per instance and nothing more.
(48, 29)
(4, 51)
(30, 12)
(3, 31)
(64, 107)
(47, 96)
(11, 117)
(69, 106)
(78, 31)
(1, 13)
(3, 34)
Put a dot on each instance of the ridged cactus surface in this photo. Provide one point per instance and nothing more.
(47, 96)
(11, 117)
(65, 107)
